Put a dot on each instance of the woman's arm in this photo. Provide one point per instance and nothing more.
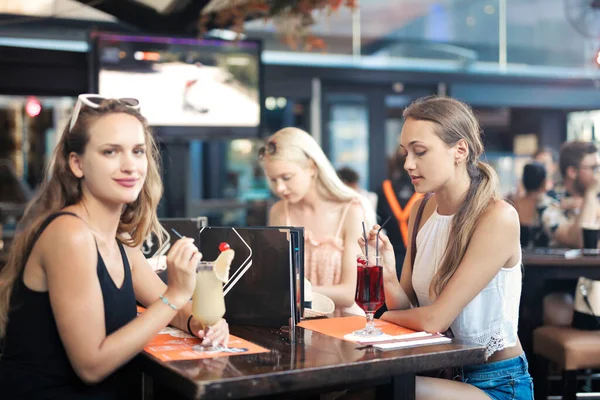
(398, 294)
(69, 258)
(343, 293)
(494, 243)
(569, 232)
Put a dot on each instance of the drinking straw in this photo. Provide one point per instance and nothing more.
(366, 241)
(177, 233)
(181, 236)
(377, 238)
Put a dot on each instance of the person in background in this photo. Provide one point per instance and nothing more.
(397, 197)
(351, 178)
(576, 205)
(313, 196)
(68, 297)
(578, 195)
(548, 158)
(532, 204)
(467, 271)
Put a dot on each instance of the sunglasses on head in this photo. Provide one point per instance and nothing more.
(94, 101)
(269, 149)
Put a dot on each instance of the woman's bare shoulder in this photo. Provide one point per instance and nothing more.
(278, 206)
(67, 239)
(501, 214)
(67, 229)
(355, 212)
(277, 213)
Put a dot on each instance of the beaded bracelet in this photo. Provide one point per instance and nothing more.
(167, 302)
(188, 325)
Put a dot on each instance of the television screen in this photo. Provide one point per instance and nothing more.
(182, 82)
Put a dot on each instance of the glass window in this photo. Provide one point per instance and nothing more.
(584, 125)
(29, 130)
(349, 134)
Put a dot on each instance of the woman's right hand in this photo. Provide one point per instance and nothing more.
(182, 260)
(386, 250)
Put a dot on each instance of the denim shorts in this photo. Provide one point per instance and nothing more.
(502, 380)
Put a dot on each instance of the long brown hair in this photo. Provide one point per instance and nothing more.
(61, 189)
(454, 121)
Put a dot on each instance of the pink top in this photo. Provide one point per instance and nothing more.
(323, 257)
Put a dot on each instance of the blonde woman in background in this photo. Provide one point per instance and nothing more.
(313, 196)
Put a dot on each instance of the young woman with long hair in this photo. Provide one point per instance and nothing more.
(467, 270)
(75, 270)
(313, 196)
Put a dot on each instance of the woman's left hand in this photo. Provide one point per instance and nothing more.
(217, 334)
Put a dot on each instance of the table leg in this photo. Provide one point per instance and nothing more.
(400, 387)
(531, 313)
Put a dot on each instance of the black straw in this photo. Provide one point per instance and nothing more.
(366, 241)
(377, 238)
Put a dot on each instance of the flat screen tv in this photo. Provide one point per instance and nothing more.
(186, 86)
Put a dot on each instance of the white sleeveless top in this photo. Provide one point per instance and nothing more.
(491, 318)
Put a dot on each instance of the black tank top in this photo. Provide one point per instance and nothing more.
(35, 365)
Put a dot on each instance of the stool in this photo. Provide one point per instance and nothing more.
(571, 349)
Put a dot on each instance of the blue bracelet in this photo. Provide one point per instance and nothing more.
(167, 302)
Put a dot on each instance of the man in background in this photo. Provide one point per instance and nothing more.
(351, 178)
(576, 206)
(578, 195)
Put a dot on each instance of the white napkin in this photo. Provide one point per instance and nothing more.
(385, 337)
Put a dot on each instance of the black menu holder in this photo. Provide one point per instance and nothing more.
(189, 227)
(266, 279)
(265, 276)
(297, 236)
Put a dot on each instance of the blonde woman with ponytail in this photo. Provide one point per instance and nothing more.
(467, 268)
(313, 196)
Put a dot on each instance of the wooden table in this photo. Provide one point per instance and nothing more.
(313, 363)
(539, 271)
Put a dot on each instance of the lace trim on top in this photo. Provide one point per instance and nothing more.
(493, 343)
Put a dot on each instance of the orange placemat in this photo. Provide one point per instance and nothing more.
(338, 327)
(172, 344)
